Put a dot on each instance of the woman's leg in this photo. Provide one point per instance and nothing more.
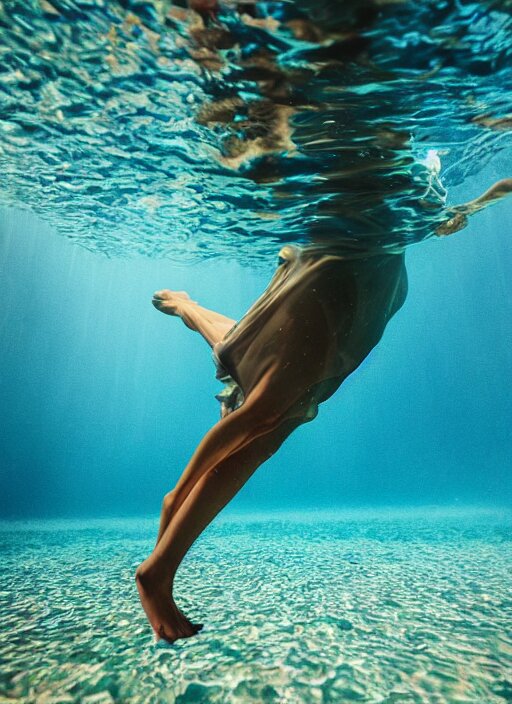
(298, 365)
(211, 325)
(223, 439)
(221, 465)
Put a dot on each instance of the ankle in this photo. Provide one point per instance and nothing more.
(150, 574)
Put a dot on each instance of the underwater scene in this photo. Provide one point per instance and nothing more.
(255, 351)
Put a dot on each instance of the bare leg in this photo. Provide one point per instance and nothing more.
(173, 499)
(211, 325)
(221, 465)
(302, 369)
(459, 214)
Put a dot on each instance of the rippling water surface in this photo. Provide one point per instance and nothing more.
(145, 127)
(298, 608)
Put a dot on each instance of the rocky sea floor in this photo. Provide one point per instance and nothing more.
(317, 607)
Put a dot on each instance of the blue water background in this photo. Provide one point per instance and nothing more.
(104, 399)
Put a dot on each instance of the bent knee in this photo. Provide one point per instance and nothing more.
(501, 188)
(168, 501)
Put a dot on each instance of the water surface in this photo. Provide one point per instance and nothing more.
(140, 127)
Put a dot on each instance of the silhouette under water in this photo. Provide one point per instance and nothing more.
(325, 309)
(317, 109)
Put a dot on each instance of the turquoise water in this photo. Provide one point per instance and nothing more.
(145, 147)
(373, 606)
(134, 127)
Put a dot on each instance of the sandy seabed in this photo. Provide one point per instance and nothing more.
(306, 606)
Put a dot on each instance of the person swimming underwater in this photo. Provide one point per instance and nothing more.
(362, 198)
(318, 319)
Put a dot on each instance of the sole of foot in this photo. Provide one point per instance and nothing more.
(169, 302)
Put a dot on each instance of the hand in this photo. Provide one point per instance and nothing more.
(457, 222)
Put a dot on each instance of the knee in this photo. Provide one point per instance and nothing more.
(168, 501)
(504, 187)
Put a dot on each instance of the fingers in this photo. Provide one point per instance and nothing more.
(454, 224)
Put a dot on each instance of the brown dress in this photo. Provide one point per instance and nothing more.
(319, 317)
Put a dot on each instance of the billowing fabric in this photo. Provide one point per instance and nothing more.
(231, 397)
(319, 317)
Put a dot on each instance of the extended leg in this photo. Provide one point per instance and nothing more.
(459, 213)
(227, 457)
(226, 437)
(211, 325)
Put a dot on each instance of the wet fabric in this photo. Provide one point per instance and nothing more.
(319, 317)
(231, 397)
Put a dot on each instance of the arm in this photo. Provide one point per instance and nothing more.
(458, 215)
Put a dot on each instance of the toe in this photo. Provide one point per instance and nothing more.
(162, 295)
(163, 635)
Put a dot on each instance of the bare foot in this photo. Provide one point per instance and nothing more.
(167, 621)
(171, 302)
